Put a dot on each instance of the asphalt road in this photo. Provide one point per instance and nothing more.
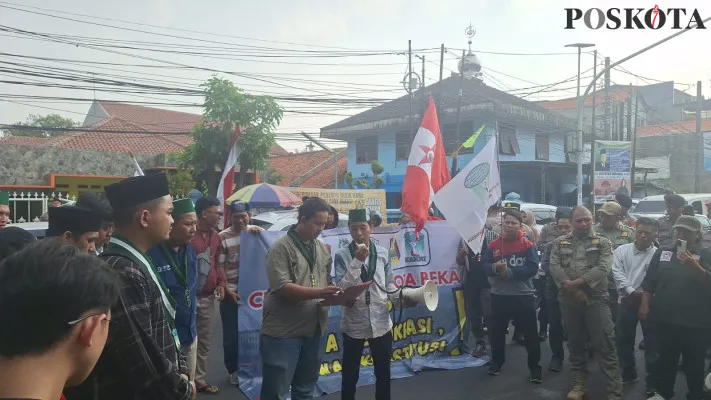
(467, 383)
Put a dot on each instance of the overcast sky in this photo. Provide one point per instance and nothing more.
(502, 26)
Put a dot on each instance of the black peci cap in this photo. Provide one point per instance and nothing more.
(136, 190)
(72, 219)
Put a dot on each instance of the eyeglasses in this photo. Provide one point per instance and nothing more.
(76, 321)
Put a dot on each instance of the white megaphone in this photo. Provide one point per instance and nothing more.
(426, 294)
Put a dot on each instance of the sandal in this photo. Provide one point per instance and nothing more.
(207, 389)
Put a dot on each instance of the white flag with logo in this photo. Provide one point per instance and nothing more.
(466, 199)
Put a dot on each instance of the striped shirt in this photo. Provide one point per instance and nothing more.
(228, 258)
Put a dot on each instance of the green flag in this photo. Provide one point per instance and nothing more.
(470, 142)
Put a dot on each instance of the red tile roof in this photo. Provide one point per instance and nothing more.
(293, 166)
(151, 119)
(23, 140)
(324, 178)
(676, 128)
(165, 132)
(570, 104)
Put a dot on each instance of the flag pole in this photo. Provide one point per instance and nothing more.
(500, 201)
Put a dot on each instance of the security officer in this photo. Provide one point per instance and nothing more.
(675, 208)
(580, 263)
(618, 234)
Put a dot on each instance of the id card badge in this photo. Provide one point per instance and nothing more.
(174, 332)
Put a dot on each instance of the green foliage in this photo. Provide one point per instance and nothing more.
(272, 177)
(226, 107)
(44, 121)
(180, 183)
(377, 169)
(348, 178)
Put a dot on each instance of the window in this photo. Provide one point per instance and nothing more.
(508, 143)
(366, 150)
(449, 137)
(542, 147)
(403, 143)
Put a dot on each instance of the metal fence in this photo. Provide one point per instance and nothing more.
(29, 206)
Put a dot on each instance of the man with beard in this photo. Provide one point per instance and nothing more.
(101, 207)
(76, 226)
(177, 265)
(141, 359)
(4, 209)
(228, 261)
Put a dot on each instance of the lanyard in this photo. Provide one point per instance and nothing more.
(168, 301)
(309, 252)
(181, 272)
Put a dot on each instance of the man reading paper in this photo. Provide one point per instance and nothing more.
(366, 318)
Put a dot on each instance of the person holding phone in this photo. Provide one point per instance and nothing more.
(677, 290)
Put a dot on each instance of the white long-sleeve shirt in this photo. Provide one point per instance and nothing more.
(363, 321)
(629, 266)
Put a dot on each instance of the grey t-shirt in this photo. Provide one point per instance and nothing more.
(283, 318)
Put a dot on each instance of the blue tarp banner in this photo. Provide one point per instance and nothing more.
(421, 339)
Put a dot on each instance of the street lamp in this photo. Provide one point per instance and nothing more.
(579, 109)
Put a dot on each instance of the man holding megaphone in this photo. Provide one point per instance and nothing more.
(367, 317)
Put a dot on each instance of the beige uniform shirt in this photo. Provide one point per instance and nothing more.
(622, 234)
(283, 318)
(587, 257)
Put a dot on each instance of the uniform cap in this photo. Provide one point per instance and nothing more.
(624, 200)
(689, 223)
(612, 209)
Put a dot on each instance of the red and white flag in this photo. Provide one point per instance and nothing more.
(224, 190)
(427, 170)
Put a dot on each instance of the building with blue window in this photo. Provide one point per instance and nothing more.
(535, 144)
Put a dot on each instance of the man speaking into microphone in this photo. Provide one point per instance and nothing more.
(368, 317)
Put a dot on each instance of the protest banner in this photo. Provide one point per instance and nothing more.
(478, 186)
(345, 200)
(612, 169)
(421, 339)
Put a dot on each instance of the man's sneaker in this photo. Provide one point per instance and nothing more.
(479, 350)
(556, 365)
(234, 378)
(495, 368)
(629, 376)
(656, 396)
(536, 375)
(641, 345)
(542, 337)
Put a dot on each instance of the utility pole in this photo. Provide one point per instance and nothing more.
(409, 79)
(455, 155)
(700, 146)
(629, 114)
(633, 157)
(439, 83)
(594, 133)
(608, 101)
(422, 85)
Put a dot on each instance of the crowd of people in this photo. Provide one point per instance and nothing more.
(596, 283)
(123, 291)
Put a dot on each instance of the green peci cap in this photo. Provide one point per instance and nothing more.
(358, 215)
(183, 206)
(4, 199)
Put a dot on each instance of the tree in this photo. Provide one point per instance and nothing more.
(43, 121)
(180, 183)
(377, 169)
(226, 107)
(272, 177)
